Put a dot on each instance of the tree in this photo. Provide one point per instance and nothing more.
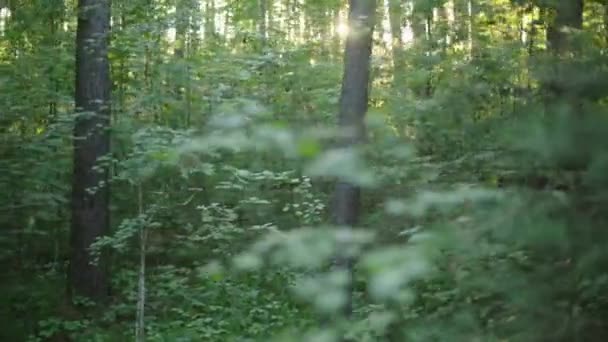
(182, 19)
(568, 14)
(210, 29)
(395, 13)
(90, 192)
(353, 106)
(262, 29)
(485, 223)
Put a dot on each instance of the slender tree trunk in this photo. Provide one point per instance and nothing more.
(52, 80)
(209, 19)
(262, 29)
(472, 10)
(56, 13)
(460, 8)
(440, 29)
(90, 192)
(227, 21)
(395, 12)
(431, 46)
(140, 325)
(182, 40)
(122, 68)
(353, 106)
(421, 22)
(193, 48)
(181, 28)
(606, 23)
(295, 8)
(197, 20)
(531, 33)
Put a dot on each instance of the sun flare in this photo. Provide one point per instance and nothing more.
(342, 29)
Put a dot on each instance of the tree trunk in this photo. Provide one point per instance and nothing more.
(56, 14)
(196, 22)
(140, 322)
(395, 12)
(472, 10)
(606, 23)
(90, 192)
(181, 28)
(262, 29)
(353, 106)
(209, 19)
(568, 13)
(418, 24)
(180, 76)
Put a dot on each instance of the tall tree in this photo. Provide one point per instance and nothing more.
(90, 192)
(180, 77)
(472, 13)
(55, 13)
(210, 29)
(182, 20)
(395, 12)
(262, 29)
(606, 22)
(567, 14)
(353, 107)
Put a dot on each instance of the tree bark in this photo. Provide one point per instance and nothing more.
(210, 30)
(262, 29)
(182, 52)
(606, 23)
(55, 16)
(353, 107)
(181, 28)
(472, 11)
(395, 13)
(568, 13)
(90, 192)
(140, 323)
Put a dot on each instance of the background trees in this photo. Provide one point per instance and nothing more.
(483, 172)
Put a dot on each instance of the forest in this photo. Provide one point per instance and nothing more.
(304, 170)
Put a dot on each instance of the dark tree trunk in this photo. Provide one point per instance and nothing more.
(353, 106)
(90, 192)
(181, 28)
(568, 13)
(606, 23)
(418, 24)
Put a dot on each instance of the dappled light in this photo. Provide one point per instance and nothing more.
(342, 30)
(5, 14)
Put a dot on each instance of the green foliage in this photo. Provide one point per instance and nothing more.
(484, 176)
